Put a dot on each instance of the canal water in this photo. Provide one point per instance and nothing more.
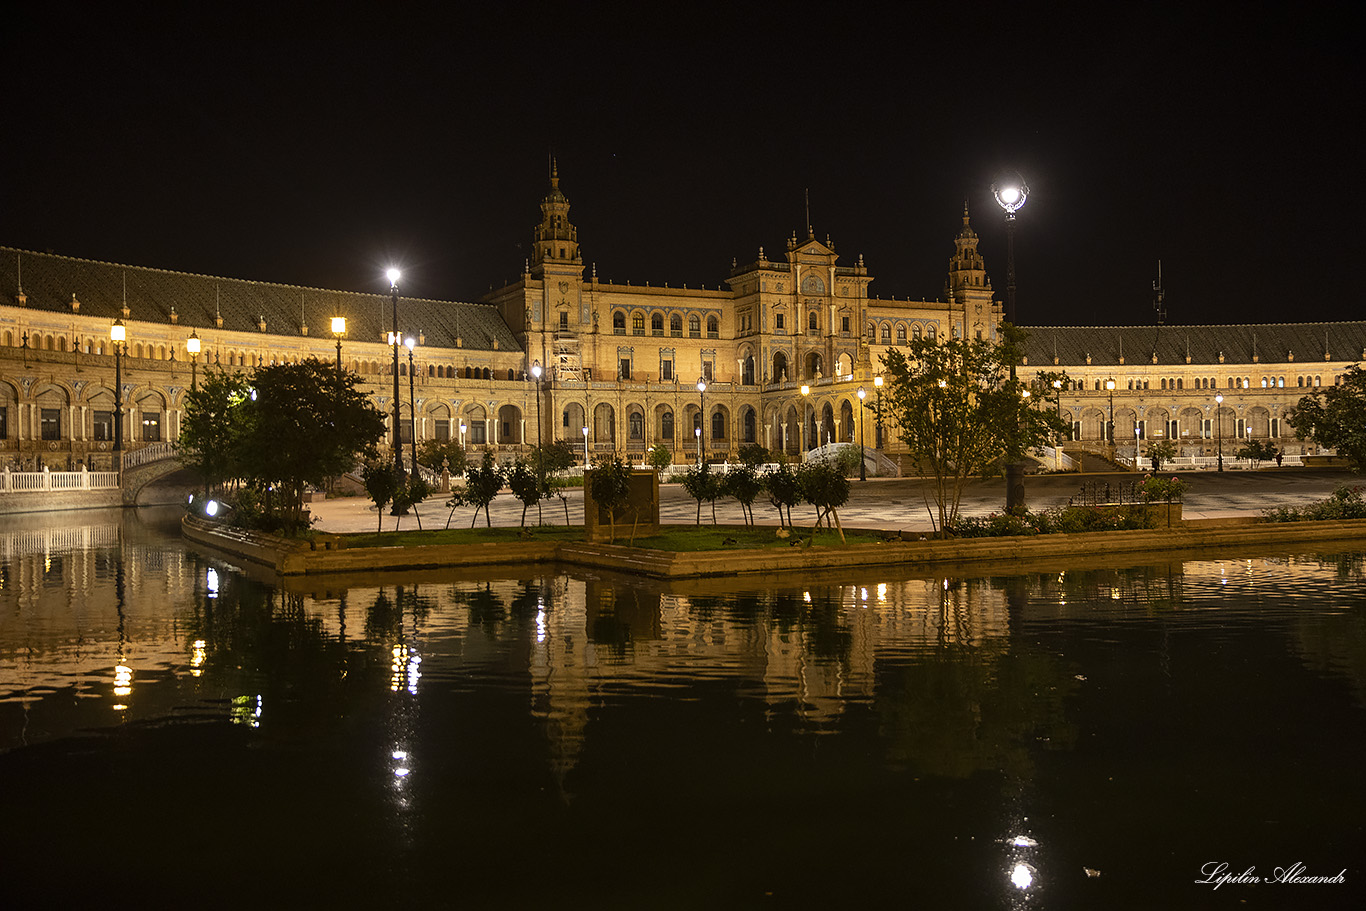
(175, 731)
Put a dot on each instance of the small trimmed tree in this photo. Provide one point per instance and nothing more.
(702, 484)
(744, 484)
(660, 457)
(526, 486)
(1257, 451)
(825, 486)
(381, 483)
(784, 490)
(482, 484)
(609, 484)
(1161, 452)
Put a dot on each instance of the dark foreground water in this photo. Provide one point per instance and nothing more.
(176, 734)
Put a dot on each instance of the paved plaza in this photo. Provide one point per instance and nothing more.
(885, 503)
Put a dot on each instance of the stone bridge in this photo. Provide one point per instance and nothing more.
(149, 478)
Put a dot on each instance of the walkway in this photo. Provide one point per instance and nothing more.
(891, 503)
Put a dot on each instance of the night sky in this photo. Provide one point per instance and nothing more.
(315, 149)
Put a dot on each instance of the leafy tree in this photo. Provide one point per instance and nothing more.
(702, 483)
(784, 490)
(609, 484)
(556, 456)
(432, 452)
(526, 486)
(482, 484)
(408, 495)
(660, 457)
(299, 424)
(825, 485)
(744, 484)
(753, 455)
(1160, 452)
(381, 483)
(1257, 451)
(1335, 416)
(960, 412)
(210, 428)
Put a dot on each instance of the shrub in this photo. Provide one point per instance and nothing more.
(1344, 503)
(1169, 490)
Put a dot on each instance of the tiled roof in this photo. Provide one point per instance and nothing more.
(49, 282)
(1272, 343)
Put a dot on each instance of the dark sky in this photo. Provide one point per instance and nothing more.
(314, 148)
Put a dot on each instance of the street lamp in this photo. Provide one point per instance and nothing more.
(862, 465)
(806, 392)
(1010, 194)
(536, 373)
(462, 433)
(409, 342)
(702, 415)
(339, 329)
(117, 334)
(1219, 427)
(393, 276)
(1110, 429)
(1057, 444)
(192, 346)
(877, 386)
(585, 446)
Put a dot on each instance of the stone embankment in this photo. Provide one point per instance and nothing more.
(322, 555)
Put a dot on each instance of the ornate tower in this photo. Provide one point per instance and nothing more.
(968, 287)
(556, 247)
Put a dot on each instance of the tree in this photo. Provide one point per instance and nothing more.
(784, 490)
(211, 428)
(744, 484)
(660, 457)
(526, 486)
(609, 484)
(381, 482)
(408, 494)
(1257, 451)
(753, 455)
(556, 456)
(1163, 451)
(482, 484)
(1335, 417)
(824, 485)
(702, 483)
(961, 413)
(432, 452)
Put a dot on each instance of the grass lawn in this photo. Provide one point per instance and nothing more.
(682, 538)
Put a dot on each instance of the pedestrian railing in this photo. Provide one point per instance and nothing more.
(37, 481)
(149, 453)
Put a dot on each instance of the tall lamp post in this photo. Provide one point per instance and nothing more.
(409, 342)
(393, 276)
(585, 446)
(339, 329)
(1110, 428)
(1011, 194)
(1219, 428)
(877, 386)
(701, 415)
(536, 374)
(1057, 446)
(117, 335)
(806, 393)
(192, 346)
(862, 465)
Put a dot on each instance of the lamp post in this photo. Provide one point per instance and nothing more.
(339, 329)
(393, 276)
(585, 446)
(192, 346)
(1057, 445)
(536, 374)
(1011, 194)
(409, 342)
(877, 387)
(117, 335)
(806, 392)
(1110, 428)
(701, 415)
(1219, 428)
(462, 433)
(862, 465)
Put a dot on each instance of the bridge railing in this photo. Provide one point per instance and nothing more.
(37, 481)
(149, 453)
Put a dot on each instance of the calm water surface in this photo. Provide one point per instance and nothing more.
(174, 732)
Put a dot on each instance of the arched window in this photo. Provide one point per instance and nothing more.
(666, 425)
(930, 333)
(813, 284)
(676, 325)
(657, 324)
(638, 323)
(872, 333)
(886, 333)
(619, 323)
(713, 327)
(718, 425)
(901, 334)
(750, 430)
(636, 426)
(813, 321)
(915, 333)
(694, 326)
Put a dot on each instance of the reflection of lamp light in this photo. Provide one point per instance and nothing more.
(1022, 876)
(211, 582)
(197, 657)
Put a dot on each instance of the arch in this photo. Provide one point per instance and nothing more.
(826, 432)
(814, 365)
(151, 408)
(813, 321)
(780, 372)
(657, 323)
(844, 365)
(1189, 424)
(1258, 422)
(664, 423)
(747, 370)
(1125, 419)
(619, 322)
(476, 420)
(713, 327)
(791, 428)
(509, 425)
(1093, 424)
(872, 333)
(915, 332)
(512, 374)
(749, 425)
(900, 334)
(847, 427)
(886, 333)
(694, 325)
(813, 284)
(1157, 420)
(572, 422)
(635, 423)
(604, 426)
(719, 420)
(488, 373)
(676, 324)
(637, 323)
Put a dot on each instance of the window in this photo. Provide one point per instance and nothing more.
(694, 327)
(718, 425)
(707, 371)
(441, 430)
(713, 327)
(931, 333)
(844, 324)
(151, 426)
(104, 426)
(915, 333)
(666, 425)
(886, 334)
(619, 323)
(4, 422)
(625, 371)
(900, 334)
(813, 285)
(478, 432)
(405, 430)
(666, 370)
(636, 426)
(778, 321)
(750, 430)
(813, 323)
(657, 324)
(638, 324)
(872, 333)
(676, 326)
(564, 319)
